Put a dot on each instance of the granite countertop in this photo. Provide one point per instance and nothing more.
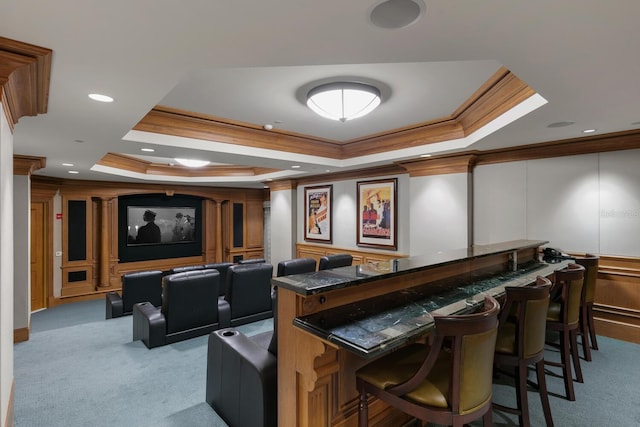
(375, 326)
(328, 280)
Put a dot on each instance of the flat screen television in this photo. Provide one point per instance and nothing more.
(156, 226)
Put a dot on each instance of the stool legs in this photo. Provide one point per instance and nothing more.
(544, 395)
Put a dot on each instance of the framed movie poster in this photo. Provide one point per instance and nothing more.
(377, 213)
(317, 208)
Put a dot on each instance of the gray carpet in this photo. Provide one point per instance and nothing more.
(79, 369)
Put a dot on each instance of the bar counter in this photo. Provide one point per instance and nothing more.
(330, 323)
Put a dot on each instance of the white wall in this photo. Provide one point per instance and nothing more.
(438, 211)
(283, 223)
(21, 251)
(345, 215)
(584, 203)
(620, 203)
(6, 265)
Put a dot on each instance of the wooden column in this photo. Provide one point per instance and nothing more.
(219, 248)
(105, 232)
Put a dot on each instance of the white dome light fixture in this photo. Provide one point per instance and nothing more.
(192, 163)
(343, 100)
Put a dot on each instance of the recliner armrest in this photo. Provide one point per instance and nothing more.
(240, 370)
(114, 307)
(149, 325)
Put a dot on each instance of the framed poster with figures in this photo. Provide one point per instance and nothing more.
(317, 208)
(377, 213)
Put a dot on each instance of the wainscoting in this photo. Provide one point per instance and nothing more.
(306, 250)
(617, 300)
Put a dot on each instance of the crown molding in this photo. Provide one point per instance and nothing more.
(26, 165)
(25, 74)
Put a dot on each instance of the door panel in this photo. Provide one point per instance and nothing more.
(38, 260)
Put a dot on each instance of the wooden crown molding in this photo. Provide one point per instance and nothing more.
(440, 166)
(132, 164)
(25, 73)
(26, 165)
(497, 95)
(283, 184)
(616, 141)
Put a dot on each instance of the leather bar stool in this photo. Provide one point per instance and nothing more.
(563, 317)
(587, 328)
(520, 343)
(447, 383)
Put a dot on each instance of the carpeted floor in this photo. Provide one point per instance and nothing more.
(79, 369)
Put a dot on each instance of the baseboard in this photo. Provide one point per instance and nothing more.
(20, 335)
(9, 419)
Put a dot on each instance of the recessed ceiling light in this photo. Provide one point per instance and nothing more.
(148, 150)
(588, 130)
(560, 124)
(327, 170)
(394, 14)
(79, 141)
(74, 172)
(192, 163)
(425, 155)
(67, 164)
(100, 98)
(635, 123)
(295, 167)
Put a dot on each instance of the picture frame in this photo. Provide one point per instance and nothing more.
(377, 214)
(318, 205)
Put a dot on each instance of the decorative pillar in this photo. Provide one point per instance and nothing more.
(219, 248)
(105, 232)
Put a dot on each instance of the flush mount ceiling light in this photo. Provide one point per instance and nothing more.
(191, 163)
(343, 100)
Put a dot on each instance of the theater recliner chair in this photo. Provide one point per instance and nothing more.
(242, 372)
(189, 309)
(242, 377)
(248, 297)
(137, 287)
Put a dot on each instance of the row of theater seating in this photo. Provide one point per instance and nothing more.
(194, 300)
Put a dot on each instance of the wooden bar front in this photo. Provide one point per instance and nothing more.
(316, 378)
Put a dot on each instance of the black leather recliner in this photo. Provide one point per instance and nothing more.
(296, 266)
(334, 261)
(137, 287)
(248, 297)
(252, 261)
(184, 268)
(242, 376)
(190, 308)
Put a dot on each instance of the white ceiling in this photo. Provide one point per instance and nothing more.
(252, 61)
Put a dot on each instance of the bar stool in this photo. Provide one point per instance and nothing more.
(450, 384)
(587, 328)
(563, 317)
(520, 343)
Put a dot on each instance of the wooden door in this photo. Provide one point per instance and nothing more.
(38, 258)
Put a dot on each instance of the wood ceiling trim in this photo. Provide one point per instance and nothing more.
(169, 121)
(132, 164)
(626, 140)
(497, 95)
(26, 165)
(25, 74)
(440, 166)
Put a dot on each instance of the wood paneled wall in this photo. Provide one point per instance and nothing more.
(307, 250)
(617, 300)
(102, 265)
